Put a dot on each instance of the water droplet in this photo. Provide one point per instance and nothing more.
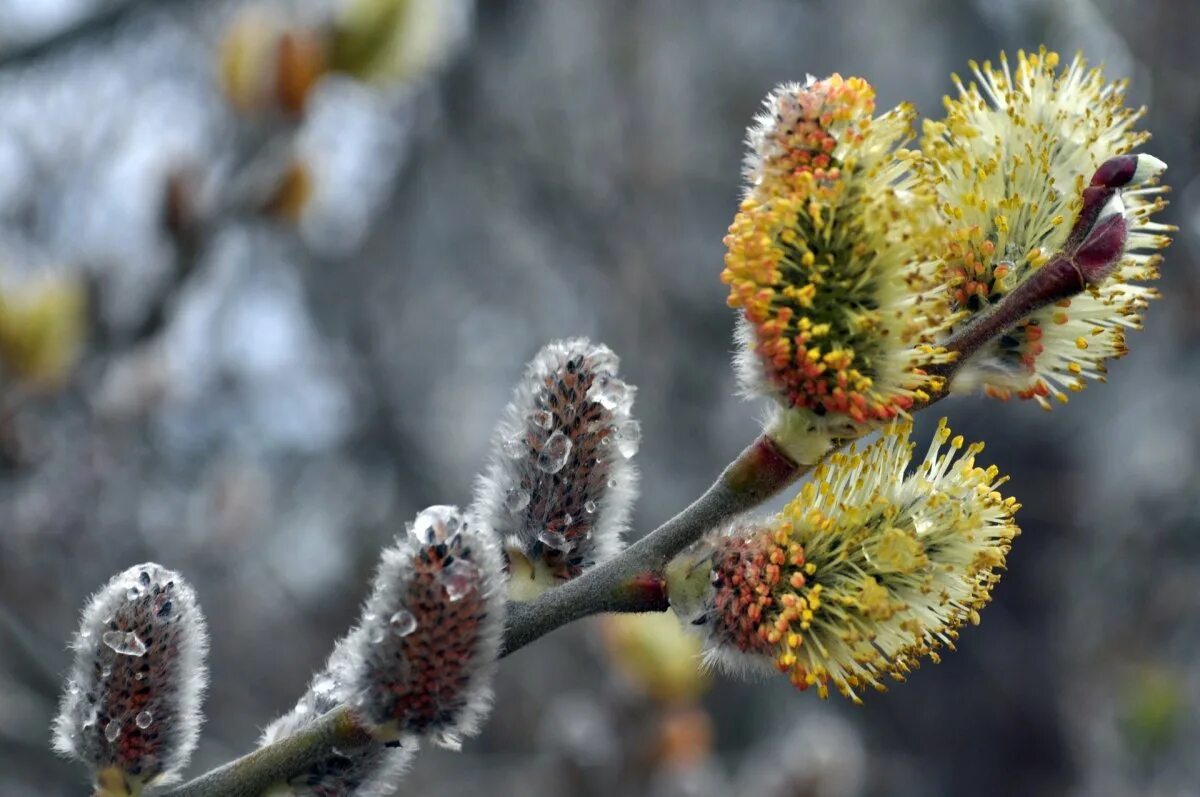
(403, 623)
(515, 447)
(435, 523)
(90, 721)
(107, 671)
(376, 635)
(459, 579)
(589, 507)
(112, 730)
(555, 540)
(73, 688)
(144, 719)
(132, 594)
(610, 393)
(543, 419)
(448, 740)
(629, 437)
(567, 519)
(141, 676)
(124, 642)
(612, 484)
(516, 499)
(555, 453)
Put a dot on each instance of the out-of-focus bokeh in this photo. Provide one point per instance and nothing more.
(268, 271)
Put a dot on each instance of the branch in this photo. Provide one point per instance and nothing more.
(252, 774)
(630, 582)
(97, 24)
(1060, 278)
(633, 580)
(623, 583)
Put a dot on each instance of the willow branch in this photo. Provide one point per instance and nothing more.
(252, 774)
(92, 26)
(633, 581)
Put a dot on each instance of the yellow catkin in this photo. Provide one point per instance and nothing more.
(889, 567)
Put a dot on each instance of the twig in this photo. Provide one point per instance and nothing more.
(759, 472)
(632, 581)
(98, 23)
(252, 774)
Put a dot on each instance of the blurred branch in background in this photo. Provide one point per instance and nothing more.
(308, 143)
(33, 30)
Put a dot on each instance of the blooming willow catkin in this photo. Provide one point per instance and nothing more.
(561, 481)
(131, 709)
(865, 571)
(1011, 164)
(372, 770)
(422, 658)
(828, 261)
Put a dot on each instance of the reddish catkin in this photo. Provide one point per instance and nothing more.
(562, 479)
(131, 708)
(421, 661)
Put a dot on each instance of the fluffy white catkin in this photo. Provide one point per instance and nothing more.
(371, 771)
(561, 482)
(131, 706)
(420, 662)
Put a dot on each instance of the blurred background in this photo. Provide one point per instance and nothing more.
(268, 271)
